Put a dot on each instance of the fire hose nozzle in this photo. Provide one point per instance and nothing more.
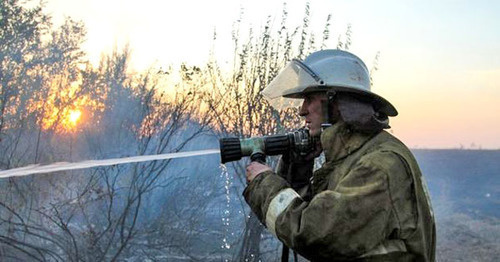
(233, 148)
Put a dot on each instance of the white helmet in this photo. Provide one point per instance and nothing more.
(324, 71)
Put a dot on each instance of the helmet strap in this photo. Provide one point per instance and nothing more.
(328, 119)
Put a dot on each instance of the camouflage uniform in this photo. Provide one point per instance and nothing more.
(368, 202)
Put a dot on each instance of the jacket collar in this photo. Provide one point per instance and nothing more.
(339, 141)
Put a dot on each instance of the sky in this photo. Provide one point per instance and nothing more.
(439, 60)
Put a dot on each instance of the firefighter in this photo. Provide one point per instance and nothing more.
(368, 201)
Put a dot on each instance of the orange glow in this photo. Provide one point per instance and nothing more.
(74, 116)
(65, 107)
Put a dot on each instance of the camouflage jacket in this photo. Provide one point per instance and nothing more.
(368, 203)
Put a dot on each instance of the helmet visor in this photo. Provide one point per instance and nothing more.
(295, 76)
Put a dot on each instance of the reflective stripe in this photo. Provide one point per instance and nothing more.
(386, 247)
(279, 203)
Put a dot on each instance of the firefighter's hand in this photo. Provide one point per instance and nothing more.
(254, 169)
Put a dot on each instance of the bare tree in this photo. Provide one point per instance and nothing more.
(155, 210)
(54, 217)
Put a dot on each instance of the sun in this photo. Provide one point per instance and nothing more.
(74, 116)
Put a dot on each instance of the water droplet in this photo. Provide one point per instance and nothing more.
(226, 214)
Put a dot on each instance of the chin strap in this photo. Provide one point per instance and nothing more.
(326, 109)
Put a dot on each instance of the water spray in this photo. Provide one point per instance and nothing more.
(63, 166)
(231, 149)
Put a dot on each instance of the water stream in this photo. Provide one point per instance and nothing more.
(62, 166)
(226, 213)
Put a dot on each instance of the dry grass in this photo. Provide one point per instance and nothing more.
(463, 238)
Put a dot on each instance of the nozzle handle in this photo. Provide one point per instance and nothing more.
(258, 157)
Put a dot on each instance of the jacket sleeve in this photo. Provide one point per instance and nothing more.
(346, 220)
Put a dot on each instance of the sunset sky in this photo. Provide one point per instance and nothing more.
(439, 60)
